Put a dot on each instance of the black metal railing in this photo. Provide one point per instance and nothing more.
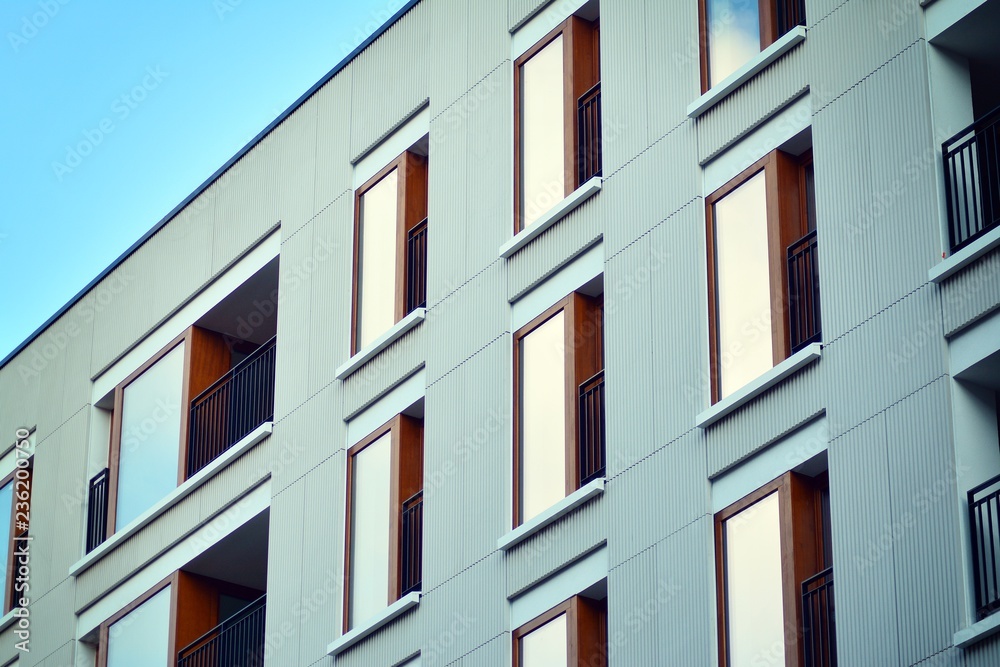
(972, 180)
(411, 565)
(592, 429)
(803, 293)
(819, 627)
(790, 14)
(416, 267)
(589, 134)
(236, 641)
(97, 510)
(236, 404)
(984, 531)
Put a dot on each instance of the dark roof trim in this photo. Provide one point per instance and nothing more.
(211, 179)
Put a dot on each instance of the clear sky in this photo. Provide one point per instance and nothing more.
(114, 112)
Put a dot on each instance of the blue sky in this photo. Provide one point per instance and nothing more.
(114, 112)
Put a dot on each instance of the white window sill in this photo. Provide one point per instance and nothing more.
(7, 620)
(977, 632)
(967, 255)
(180, 493)
(555, 214)
(718, 92)
(551, 515)
(382, 342)
(374, 624)
(752, 390)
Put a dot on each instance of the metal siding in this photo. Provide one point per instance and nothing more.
(447, 220)
(286, 562)
(971, 294)
(625, 82)
(334, 171)
(519, 11)
(292, 361)
(394, 364)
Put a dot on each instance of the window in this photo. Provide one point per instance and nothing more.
(775, 576)
(15, 502)
(384, 484)
(149, 432)
(390, 248)
(734, 31)
(558, 359)
(557, 111)
(764, 281)
(573, 633)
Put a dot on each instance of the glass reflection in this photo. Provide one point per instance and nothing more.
(754, 618)
(143, 636)
(377, 260)
(733, 36)
(543, 417)
(370, 492)
(543, 152)
(546, 646)
(150, 437)
(743, 285)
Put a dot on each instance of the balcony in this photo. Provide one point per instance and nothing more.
(236, 641)
(972, 181)
(97, 510)
(416, 267)
(589, 135)
(803, 293)
(592, 429)
(819, 627)
(236, 404)
(411, 564)
(984, 529)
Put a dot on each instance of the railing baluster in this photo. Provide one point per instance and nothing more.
(416, 267)
(97, 510)
(972, 180)
(984, 534)
(819, 634)
(591, 450)
(237, 641)
(588, 119)
(412, 531)
(804, 325)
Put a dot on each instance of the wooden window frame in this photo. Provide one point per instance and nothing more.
(784, 183)
(801, 535)
(411, 210)
(8, 593)
(581, 72)
(586, 630)
(206, 359)
(583, 333)
(406, 477)
(767, 10)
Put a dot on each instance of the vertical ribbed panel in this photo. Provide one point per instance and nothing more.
(520, 11)
(553, 548)
(922, 479)
(451, 39)
(673, 57)
(292, 361)
(625, 82)
(752, 103)
(286, 563)
(449, 230)
(389, 646)
(334, 171)
(391, 77)
(673, 480)
(972, 293)
(488, 22)
(983, 654)
(863, 547)
(393, 365)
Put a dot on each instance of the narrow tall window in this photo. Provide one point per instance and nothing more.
(556, 356)
(763, 275)
(557, 129)
(390, 253)
(775, 576)
(734, 31)
(385, 477)
(572, 634)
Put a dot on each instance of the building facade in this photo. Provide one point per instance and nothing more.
(546, 333)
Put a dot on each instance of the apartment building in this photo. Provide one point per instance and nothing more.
(546, 333)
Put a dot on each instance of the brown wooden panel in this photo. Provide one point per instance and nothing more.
(197, 608)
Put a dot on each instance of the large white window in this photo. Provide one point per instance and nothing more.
(142, 637)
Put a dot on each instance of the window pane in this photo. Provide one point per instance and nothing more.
(150, 438)
(370, 488)
(733, 36)
(377, 260)
(543, 417)
(743, 285)
(753, 579)
(6, 498)
(546, 646)
(143, 636)
(543, 140)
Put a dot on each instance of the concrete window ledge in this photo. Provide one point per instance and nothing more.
(382, 342)
(721, 90)
(967, 255)
(551, 515)
(977, 632)
(180, 493)
(750, 391)
(374, 624)
(557, 213)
